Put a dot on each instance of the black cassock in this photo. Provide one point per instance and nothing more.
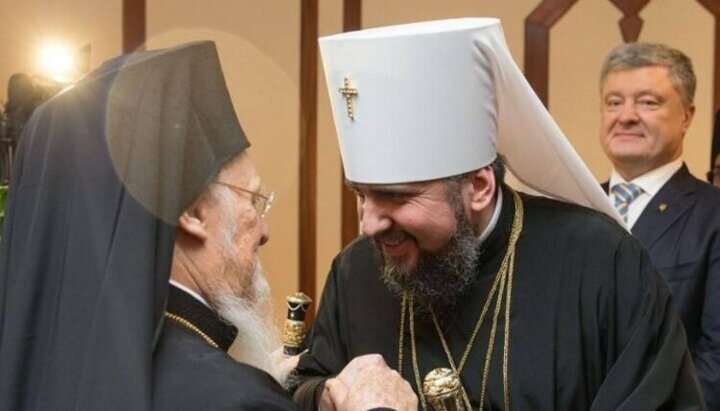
(101, 175)
(190, 374)
(592, 325)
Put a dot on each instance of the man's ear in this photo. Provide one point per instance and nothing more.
(192, 222)
(689, 113)
(482, 184)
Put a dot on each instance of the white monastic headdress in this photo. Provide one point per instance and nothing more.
(424, 101)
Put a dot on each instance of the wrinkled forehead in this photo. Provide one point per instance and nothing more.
(240, 171)
(656, 79)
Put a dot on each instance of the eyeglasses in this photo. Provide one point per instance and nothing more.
(713, 174)
(261, 202)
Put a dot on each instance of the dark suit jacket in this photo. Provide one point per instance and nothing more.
(680, 228)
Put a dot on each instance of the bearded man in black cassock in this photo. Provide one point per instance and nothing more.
(528, 302)
(104, 172)
(134, 178)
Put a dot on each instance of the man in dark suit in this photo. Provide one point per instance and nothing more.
(647, 105)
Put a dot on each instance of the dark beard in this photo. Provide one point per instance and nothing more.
(439, 279)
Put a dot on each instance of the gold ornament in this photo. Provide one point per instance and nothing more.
(348, 93)
(294, 332)
(443, 391)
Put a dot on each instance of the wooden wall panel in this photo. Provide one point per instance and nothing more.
(537, 43)
(352, 20)
(308, 150)
(133, 25)
(713, 6)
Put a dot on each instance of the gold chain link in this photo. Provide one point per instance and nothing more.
(413, 353)
(187, 324)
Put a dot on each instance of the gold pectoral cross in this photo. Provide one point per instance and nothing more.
(348, 93)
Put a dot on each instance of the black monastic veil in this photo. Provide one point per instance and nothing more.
(102, 172)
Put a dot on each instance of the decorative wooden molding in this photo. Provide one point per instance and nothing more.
(352, 20)
(133, 25)
(631, 23)
(713, 6)
(537, 43)
(307, 233)
(548, 12)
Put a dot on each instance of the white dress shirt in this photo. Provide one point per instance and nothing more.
(494, 219)
(191, 292)
(650, 183)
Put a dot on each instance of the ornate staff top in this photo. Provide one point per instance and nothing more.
(294, 333)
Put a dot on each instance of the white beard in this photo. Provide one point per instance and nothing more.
(252, 315)
(251, 312)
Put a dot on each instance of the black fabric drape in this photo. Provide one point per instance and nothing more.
(102, 172)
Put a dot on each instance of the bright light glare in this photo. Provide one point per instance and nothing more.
(56, 62)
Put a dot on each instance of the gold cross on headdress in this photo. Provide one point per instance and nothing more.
(348, 93)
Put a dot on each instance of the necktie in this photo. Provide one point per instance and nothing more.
(624, 194)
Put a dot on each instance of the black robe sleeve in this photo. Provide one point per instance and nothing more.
(649, 366)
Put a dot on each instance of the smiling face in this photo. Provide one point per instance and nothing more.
(425, 242)
(644, 120)
(405, 220)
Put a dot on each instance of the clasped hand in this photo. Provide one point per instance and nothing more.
(366, 383)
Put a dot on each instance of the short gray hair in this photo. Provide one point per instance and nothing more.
(636, 55)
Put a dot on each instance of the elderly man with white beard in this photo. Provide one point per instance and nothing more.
(129, 254)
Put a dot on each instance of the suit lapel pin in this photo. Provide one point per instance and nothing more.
(662, 207)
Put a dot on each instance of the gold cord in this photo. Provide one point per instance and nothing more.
(514, 237)
(401, 339)
(491, 342)
(187, 324)
(457, 371)
(503, 279)
(413, 353)
(506, 342)
(486, 306)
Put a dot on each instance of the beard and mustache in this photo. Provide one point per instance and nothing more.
(252, 315)
(439, 279)
(251, 311)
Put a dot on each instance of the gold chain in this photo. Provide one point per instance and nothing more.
(413, 353)
(187, 324)
(506, 342)
(514, 236)
(486, 306)
(491, 344)
(503, 278)
(401, 339)
(452, 363)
